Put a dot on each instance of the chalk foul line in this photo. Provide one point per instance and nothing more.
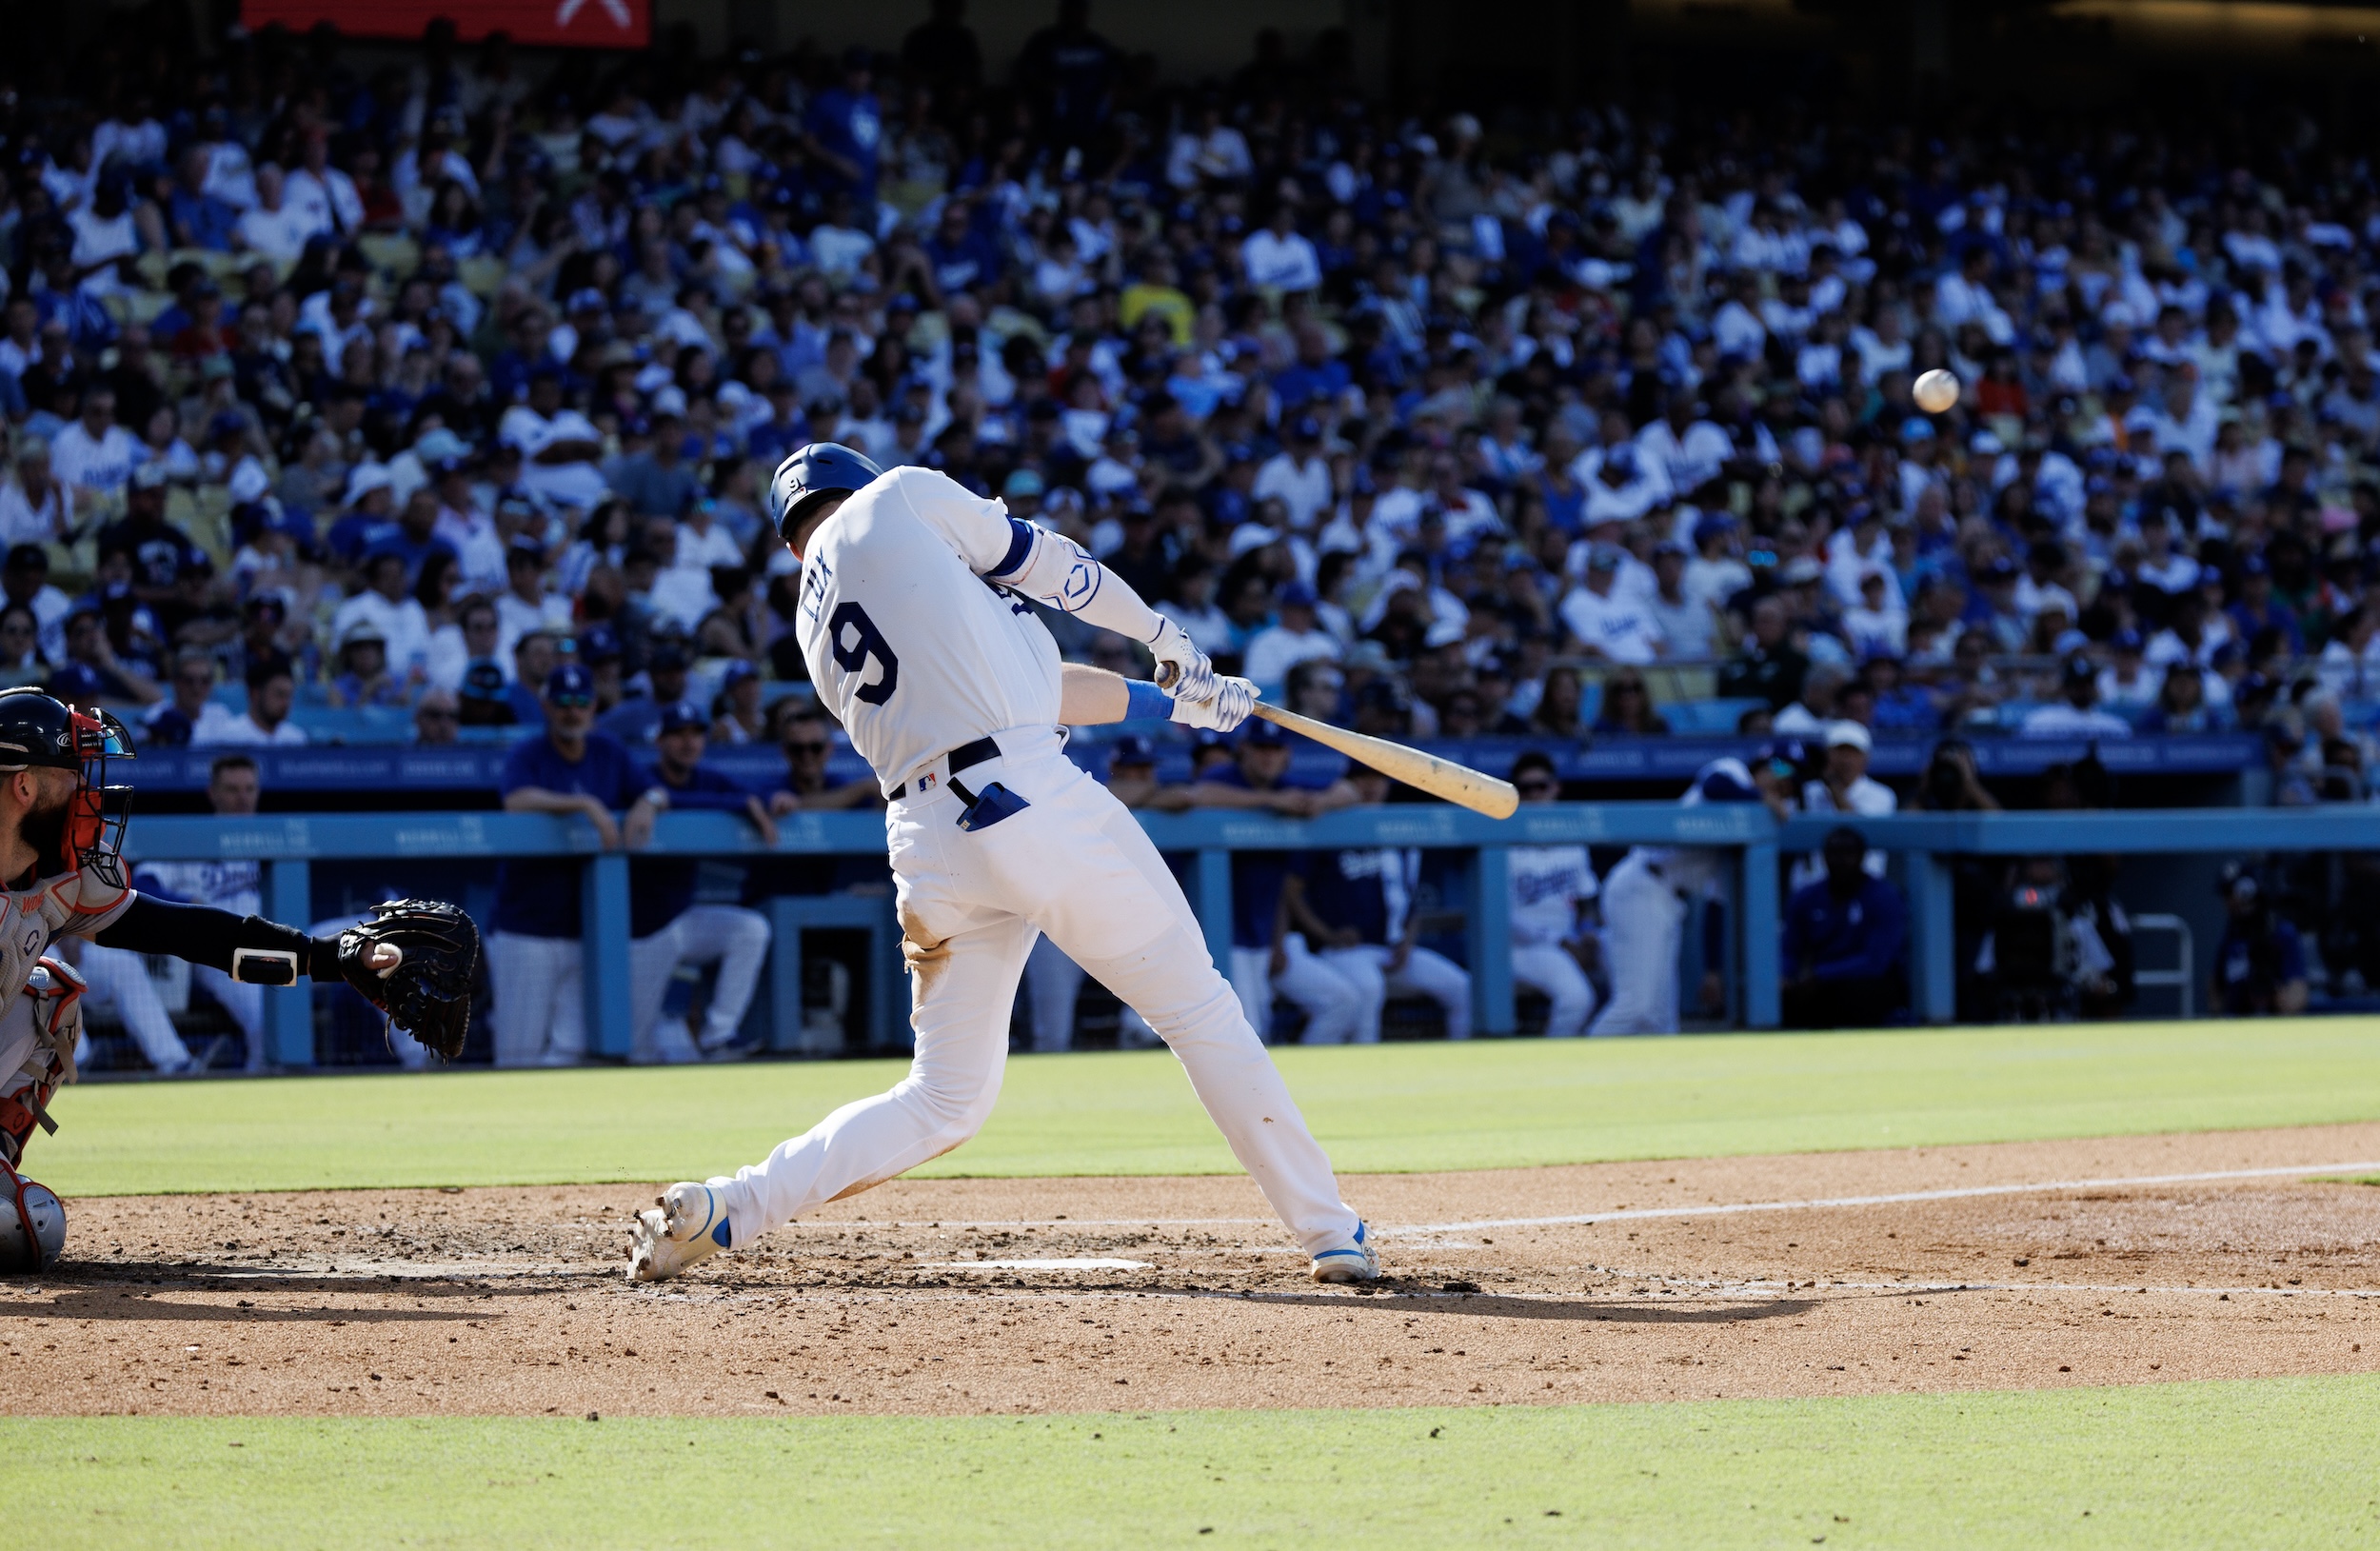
(1892, 1199)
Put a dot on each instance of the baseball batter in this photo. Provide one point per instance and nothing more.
(913, 622)
(62, 875)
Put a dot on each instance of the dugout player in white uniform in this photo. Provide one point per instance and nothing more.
(1646, 900)
(913, 621)
(1551, 886)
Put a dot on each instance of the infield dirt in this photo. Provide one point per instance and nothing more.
(942, 1295)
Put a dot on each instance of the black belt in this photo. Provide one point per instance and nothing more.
(965, 757)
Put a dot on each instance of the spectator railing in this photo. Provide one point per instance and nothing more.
(286, 845)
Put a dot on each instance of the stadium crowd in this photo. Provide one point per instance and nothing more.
(373, 393)
(357, 391)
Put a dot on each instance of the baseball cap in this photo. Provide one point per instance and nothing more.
(1800, 571)
(668, 657)
(2081, 670)
(570, 685)
(738, 671)
(599, 643)
(1131, 749)
(1260, 733)
(1297, 595)
(1847, 735)
(150, 476)
(679, 715)
(484, 679)
(2125, 640)
(1603, 558)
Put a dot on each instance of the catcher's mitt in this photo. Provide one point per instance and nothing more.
(428, 992)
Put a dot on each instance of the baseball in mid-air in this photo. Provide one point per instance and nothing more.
(1936, 391)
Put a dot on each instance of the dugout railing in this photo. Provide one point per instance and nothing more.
(286, 846)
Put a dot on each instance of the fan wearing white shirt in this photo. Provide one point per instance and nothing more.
(2077, 715)
(1685, 621)
(1844, 787)
(1297, 475)
(1607, 624)
(526, 607)
(1295, 636)
(1622, 485)
(387, 608)
(558, 446)
(323, 196)
(275, 228)
(1687, 449)
(266, 723)
(93, 452)
(1278, 258)
(703, 541)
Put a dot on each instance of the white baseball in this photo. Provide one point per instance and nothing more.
(1936, 391)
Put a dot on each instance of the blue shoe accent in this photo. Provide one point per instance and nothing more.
(719, 1233)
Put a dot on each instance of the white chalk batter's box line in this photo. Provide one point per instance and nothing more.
(1627, 1214)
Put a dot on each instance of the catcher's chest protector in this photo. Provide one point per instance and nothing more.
(76, 904)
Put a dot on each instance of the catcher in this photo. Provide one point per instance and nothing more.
(61, 874)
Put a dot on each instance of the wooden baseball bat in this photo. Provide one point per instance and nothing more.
(1423, 772)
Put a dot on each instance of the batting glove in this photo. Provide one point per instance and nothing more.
(1231, 704)
(1192, 677)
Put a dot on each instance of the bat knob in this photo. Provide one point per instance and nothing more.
(1166, 674)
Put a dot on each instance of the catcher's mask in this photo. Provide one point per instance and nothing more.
(38, 731)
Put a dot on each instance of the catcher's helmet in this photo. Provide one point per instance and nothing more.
(810, 474)
(33, 1223)
(37, 728)
(39, 731)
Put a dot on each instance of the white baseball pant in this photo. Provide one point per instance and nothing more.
(245, 1003)
(1549, 969)
(1332, 1002)
(118, 977)
(541, 1000)
(729, 935)
(1425, 973)
(1075, 865)
(1053, 981)
(1644, 923)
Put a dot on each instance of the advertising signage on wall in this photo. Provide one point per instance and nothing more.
(580, 24)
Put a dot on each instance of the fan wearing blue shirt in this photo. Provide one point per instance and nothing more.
(534, 954)
(1843, 944)
(669, 927)
(842, 130)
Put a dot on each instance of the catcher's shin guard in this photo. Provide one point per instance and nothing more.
(33, 1222)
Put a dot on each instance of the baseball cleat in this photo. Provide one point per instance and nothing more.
(1352, 1262)
(686, 1224)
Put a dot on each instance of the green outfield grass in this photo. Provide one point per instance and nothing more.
(1488, 1104)
(2270, 1462)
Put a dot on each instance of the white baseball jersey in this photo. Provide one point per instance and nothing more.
(913, 648)
(1547, 883)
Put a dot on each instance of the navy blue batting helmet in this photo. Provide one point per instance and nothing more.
(809, 474)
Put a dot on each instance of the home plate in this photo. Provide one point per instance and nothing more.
(1082, 1263)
